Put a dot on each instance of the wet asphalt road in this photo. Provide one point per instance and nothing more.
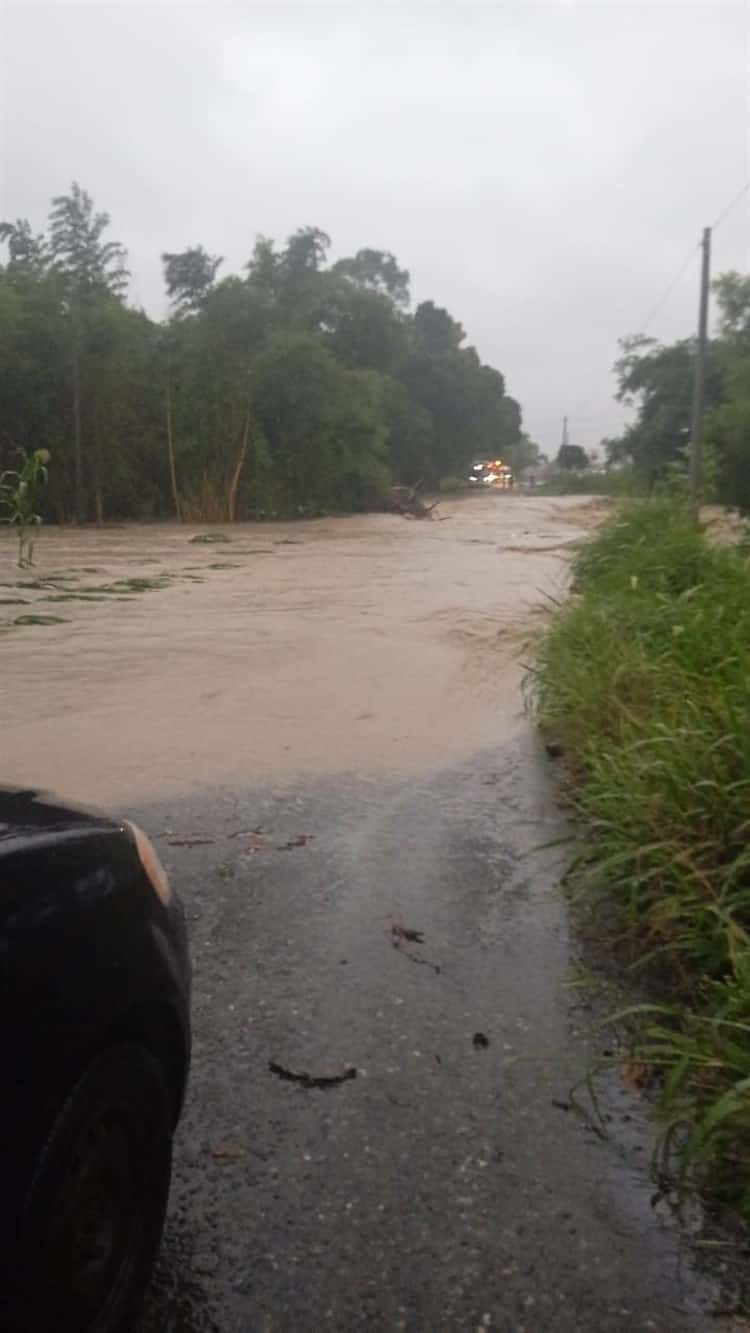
(451, 1185)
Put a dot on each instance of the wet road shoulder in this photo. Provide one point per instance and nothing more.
(379, 1132)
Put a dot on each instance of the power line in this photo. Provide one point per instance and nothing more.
(668, 292)
(702, 244)
(683, 268)
(731, 206)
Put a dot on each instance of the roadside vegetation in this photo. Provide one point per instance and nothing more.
(19, 492)
(622, 483)
(655, 380)
(644, 679)
(297, 386)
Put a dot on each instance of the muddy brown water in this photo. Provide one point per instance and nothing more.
(369, 643)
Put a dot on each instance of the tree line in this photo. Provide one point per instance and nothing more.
(657, 379)
(298, 386)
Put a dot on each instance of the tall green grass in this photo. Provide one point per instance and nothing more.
(622, 484)
(644, 676)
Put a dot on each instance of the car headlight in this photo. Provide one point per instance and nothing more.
(152, 866)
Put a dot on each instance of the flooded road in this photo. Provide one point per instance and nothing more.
(380, 1131)
(351, 644)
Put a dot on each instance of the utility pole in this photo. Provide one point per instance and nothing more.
(699, 380)
(565, 433)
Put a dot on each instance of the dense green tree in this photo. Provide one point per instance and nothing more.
(189, 277)
(376, 271)
(323, 427)
(572, 458)
(305, 253)
(440, 385)
(499, 417)
(658, 381)
(25, 250)
(728, 424)
(34, 405)
(264, 273)
(209, 393)
(296, 387)
(410, 434)
(732, 292)
(472, 415)
(364, 329)
(93, 276)
(436, 333)
(76, 246)
(728, 435)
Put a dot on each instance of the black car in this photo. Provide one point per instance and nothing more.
(95, 1034)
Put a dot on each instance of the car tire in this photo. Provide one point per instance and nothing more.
(95, 1210)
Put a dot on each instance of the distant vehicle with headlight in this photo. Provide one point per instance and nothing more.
(491, 472)
(95, 1034)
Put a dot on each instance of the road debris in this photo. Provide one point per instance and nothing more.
(322, 1081)
(399, 934)
(228, 1152)
(301, 840)
(637, 1075)
(190, 842)
(256, 842)
(405, 501)
(480, 1041)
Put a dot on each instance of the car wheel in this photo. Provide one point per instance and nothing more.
(95, 1210)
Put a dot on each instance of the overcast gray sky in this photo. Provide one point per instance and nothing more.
(541, 169)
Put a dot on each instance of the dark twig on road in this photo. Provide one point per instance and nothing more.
(190, 842)
(312, 1080)
(401, 933)
(423, 962)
